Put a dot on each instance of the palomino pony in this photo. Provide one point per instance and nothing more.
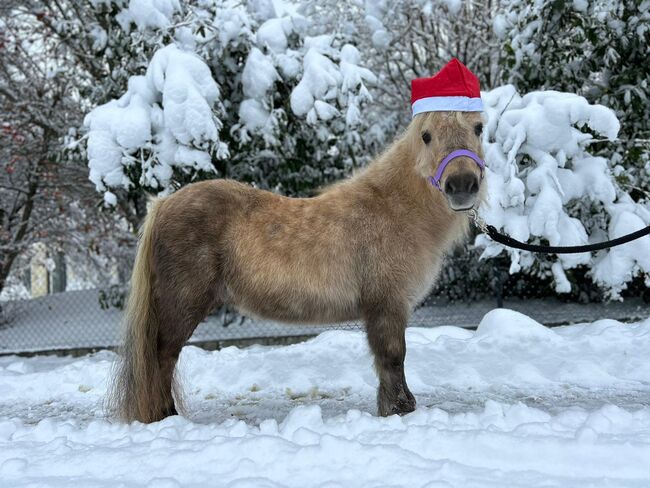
(369, 247)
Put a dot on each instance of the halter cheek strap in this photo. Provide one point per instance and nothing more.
(435, 180)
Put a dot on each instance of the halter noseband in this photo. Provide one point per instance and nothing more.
(435, 180)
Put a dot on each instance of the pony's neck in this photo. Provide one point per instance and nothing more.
(393, 175)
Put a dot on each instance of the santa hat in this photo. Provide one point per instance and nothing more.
(454, 88)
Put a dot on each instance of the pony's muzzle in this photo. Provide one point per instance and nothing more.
(461, 190)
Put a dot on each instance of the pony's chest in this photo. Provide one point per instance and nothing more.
(424, 278)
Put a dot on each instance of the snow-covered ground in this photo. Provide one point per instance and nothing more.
(512, 404)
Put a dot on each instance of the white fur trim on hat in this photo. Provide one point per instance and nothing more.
(452, 104)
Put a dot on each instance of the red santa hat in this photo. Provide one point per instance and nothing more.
(453, 88)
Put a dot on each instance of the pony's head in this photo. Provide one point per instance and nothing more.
(433, 136)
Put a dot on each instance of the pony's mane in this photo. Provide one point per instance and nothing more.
(389, 164)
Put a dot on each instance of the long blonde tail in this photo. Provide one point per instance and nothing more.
(137, 391)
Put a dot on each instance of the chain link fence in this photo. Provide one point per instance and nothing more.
(48, 312)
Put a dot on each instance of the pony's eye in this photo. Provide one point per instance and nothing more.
(478, 129)
(426, 137)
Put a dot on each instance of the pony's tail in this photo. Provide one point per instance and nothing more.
(137, 390)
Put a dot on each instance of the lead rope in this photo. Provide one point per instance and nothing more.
(508, 241)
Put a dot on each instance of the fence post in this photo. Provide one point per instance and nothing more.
(59, 276)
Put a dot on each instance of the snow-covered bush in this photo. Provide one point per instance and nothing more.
(169, 114)
(546, 185)
(597, 49)
(243, 91)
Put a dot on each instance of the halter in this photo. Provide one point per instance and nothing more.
(435, 180)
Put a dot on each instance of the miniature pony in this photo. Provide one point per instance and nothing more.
(369, 247)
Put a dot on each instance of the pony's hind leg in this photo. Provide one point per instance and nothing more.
(174, 285)
(385, 326)
(188, 283)
(178, 319)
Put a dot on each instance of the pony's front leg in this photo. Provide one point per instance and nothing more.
(385, 327)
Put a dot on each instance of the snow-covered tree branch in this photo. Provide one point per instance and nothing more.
(246, 94)
(546, 185)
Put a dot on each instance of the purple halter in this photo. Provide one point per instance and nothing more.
(435, 180)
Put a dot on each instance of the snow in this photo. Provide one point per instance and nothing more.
(381, 39)
(148, 14)
(540, 170)
(511, 404)
(499, 25)
(231, 25)
(323, 82)
(259, 75)
(273, 34)
(99, 37)
(188, 93)
(263, 9)
(322, 88)
(562, 284)
(254, 114)
(168, 110)
(170, 122)
(580, 5)
(319, 80)
(618, 265)
(110, 141)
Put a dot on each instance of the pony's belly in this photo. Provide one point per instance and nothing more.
(282, 266)
(295, 297)
(296, 309)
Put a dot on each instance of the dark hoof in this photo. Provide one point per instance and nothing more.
(401, 409)
(403, 404)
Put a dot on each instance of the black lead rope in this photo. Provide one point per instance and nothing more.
(510, 242)
(497, 236)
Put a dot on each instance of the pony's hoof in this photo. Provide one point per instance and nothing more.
(401, 406)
